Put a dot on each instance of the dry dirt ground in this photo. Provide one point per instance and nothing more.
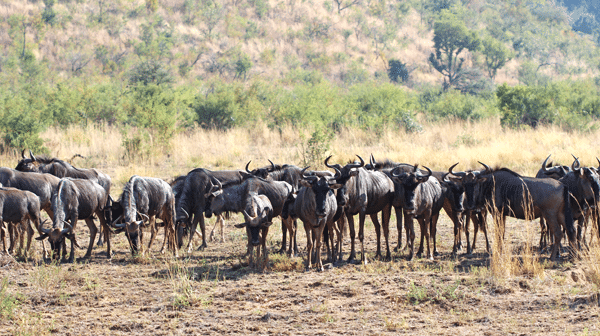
(215, 292)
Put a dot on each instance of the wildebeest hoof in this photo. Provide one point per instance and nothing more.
(436, 254)
(328, 266)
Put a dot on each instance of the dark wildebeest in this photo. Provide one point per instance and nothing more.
(198, 189)
(149, 198)
(584, 187)
(364, 192)
(60, 168)
(316, 206)
(548, 170)
(235, 198)
(22, 208)
(72, 200)
(423, 198)
(258, 216)
(510, 194)
(477, 214)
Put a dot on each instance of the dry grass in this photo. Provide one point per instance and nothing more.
(214, 291)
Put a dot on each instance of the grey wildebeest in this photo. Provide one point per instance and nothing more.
(72, 200)
(22, 208)
(148, 198)
(235, 198)
(316, 206)
(453, 199)
(364, 192)
(423, 199)
(507, 193)
(258, 216)
(60, 169)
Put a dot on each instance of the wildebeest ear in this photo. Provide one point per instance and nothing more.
(117, 231)
(305, 183)
(241, 225)
(353, 172)
(42, 237)
(481, 179)
(267, 224)
(217, 192)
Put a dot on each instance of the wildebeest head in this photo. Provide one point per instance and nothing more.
(28, 164)
(131, 229)
(213, 189)
(261, 212)
(342, 175)
(261, 172)
(551, 171)
(457, 192)
(588, 182)
(471, 181)
(320, 186)
(56, 236)
(410, 181)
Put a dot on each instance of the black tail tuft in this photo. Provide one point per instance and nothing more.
(568, 216)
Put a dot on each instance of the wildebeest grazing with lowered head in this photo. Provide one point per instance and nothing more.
(258, 216)
(148, 198)
(72, 200)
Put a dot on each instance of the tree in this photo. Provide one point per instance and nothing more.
(450, 38)
(343, 4)
(496, 55)
(397, 71)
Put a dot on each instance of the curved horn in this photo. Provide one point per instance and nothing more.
(460, 174)
(429, 172)
(114, 223)
(41, 227)
(357, 165)
(246, 216)
(394, 171)
(143, 215)
(487, 168)
(272, 166)
(31, 155)
(372, 161)
(119, 226)
(69, 228)
(187, 215)
(545, 163)
(445, 178)
(338, 173)
(23, 154)
(248, 170)
(576, 161)
(327, 161)
(598, 162)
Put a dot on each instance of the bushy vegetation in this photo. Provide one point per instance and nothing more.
(211, 64)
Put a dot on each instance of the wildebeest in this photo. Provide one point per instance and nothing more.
(149, 198)
(258, 216)
(423, 200)
(510, 194)
(235, 198)
(364, 192)
(72, 200)
(316, 206)
(22, 208)
(60, 169)
(584, 188)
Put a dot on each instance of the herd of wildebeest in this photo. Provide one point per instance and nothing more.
(323, 200)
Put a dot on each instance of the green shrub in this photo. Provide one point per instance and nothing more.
(397, 71)
(452, 104)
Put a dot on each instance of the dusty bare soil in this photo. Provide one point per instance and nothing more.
(215, 292)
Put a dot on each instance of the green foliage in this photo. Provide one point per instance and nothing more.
(242, 66)
(316, 148)
(452, 104)
(8, 301)
(569, 104)
(219, 106)
(397, 71)
(150, 72)
(157, 40)
(49, 14)
(22, 130)
(450, 38)
(496, 55)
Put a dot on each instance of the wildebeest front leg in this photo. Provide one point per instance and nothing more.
(361, 236)
(152, 225)
(199, 218)
(93, 231)
(433, 231)
(352, 235)
(309, 245)
(284, 230)
(3, 233)
(410, 234)
(378, 233)
(399, 228)
(318, 240)
(291, 228)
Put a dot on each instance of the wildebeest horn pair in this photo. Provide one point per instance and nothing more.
(30, 155)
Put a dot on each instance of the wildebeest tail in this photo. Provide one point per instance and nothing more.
(568, 215)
